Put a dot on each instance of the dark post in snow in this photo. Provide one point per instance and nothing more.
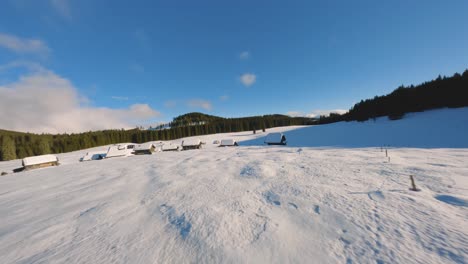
(413, 185)
(386, 153)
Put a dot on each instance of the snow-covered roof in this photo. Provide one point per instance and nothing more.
(228, 142)
(273, 138)
(39, 160)
(191, 142)
(144, 146)
(169, 146)
(120, 150)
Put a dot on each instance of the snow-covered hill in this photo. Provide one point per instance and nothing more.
(253, 204)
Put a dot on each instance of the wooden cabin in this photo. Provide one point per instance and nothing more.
(170, 147)
(275, 139)
(42, 161)
(191, 143)
(228, 143)
(145, 149)
(93, 155)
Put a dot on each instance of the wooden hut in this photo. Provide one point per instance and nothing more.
(145, 149)
(228, 143)
(94, 155)
(170, 147)
(275, 139)
(42, 161)
(191, 143)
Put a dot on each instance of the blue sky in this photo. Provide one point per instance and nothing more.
(227, 58)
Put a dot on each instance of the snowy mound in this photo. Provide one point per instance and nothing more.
(250, 204)
(443, 128)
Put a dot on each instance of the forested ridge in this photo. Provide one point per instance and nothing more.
(441, 92)
(19, 145)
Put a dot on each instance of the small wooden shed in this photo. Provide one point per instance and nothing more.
(228, 143)
(145, 149)
(93, 155)
(170, 147)
(191, 143)
(275, 139)
(42, 161)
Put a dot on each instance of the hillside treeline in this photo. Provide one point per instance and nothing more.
(15, 145)
(438, 93)
(441, 92)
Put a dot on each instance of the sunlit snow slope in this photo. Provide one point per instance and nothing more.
(253, 203)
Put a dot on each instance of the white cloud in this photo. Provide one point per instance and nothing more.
(244, 55)
(46, 102)
(200, 103)
(295, 113)
(28, 65)
(62, 7)
(224, 97)
(248, 79)
(316, 113)
(22, 45)
(141, 112)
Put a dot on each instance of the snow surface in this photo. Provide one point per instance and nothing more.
(251, 204)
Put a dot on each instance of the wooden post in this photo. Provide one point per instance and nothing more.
(386, 153)
(413, 185)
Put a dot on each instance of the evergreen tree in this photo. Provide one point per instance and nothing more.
(43, 147)
(8, 149)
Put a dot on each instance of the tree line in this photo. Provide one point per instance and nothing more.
(17, 145)
(442, 92)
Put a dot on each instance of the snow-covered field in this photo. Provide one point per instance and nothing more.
(305, 203)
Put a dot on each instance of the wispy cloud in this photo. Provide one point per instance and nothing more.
(248, 79)
(316, 113)
(62, 7)
(295, 113)
(28, 65)
(120, 98)
(25, 107)
(244, 55)
(200, 103)
(224, 97)
(23, 45)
